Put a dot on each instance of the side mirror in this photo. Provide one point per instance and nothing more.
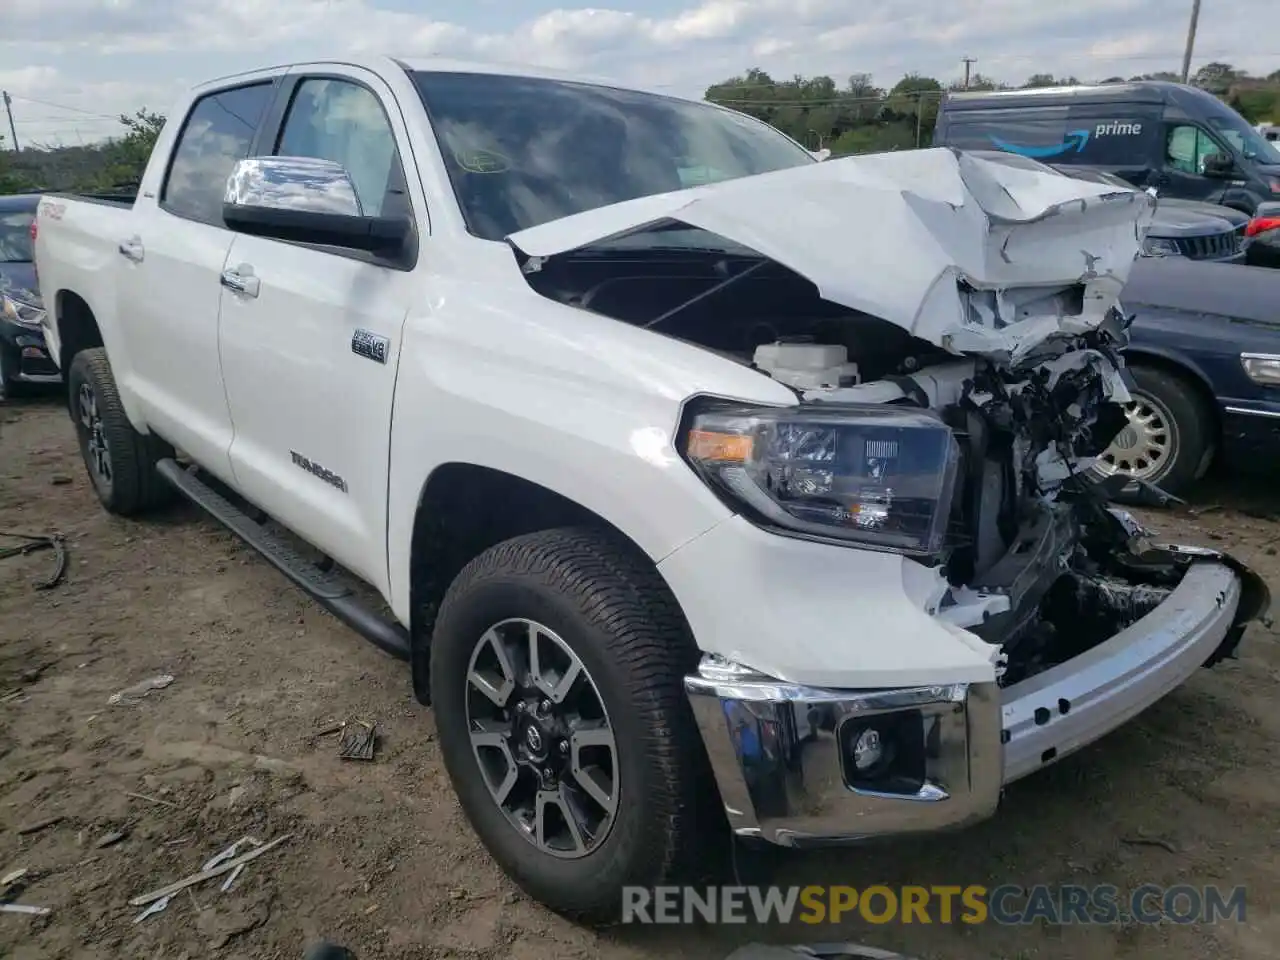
(1218, 165)
(306, 200)
(821, 154)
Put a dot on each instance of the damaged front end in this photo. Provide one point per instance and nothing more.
(956, 369)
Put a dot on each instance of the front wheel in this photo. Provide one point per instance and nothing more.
(121, 462)
(557, 666)
(1168, 440)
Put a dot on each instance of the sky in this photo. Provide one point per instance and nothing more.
(72, 66)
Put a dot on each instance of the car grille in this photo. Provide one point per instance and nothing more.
(1221, 246)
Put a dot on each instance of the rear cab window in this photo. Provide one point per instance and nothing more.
(218, 132)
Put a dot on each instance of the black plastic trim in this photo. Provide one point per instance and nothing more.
(324, 586)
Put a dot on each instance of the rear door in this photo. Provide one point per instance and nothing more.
(175, 248)
(310, 350)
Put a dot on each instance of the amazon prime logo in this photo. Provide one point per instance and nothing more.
(1074, 142)
(369, 345)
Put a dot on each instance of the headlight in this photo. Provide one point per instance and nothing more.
(22, 313)
(1262, 368)
(882, 477)
(1160, 247)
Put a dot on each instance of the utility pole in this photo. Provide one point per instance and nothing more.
(1191, 40)
(970, 61)
(8, 108)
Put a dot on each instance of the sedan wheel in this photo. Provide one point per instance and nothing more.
(1147, 446)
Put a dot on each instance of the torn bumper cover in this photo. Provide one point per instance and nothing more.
(799, 765)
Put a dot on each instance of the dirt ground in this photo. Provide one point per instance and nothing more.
(379, 856)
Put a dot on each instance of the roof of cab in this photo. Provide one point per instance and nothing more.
(448, 65)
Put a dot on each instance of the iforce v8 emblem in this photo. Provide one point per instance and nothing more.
(369, 345)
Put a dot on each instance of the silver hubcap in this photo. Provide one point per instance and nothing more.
(542, 738)
(1147, 445)
(96, 452)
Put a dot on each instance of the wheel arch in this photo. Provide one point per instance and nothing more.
(463, 510)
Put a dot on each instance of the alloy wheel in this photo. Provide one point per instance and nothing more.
(541, 735)
(1147, 445)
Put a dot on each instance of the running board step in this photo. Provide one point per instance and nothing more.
(327, 588)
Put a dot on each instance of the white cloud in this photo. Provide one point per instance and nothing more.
(102, 57)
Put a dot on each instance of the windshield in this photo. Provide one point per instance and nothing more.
(522, 151)
(1248, 141)
(15, 236)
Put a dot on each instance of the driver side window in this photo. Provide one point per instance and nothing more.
(1186, 148)
(342, 121)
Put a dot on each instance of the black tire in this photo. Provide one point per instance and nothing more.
(10, 387)
(1178, 400)
(131, 486)
(617, 615)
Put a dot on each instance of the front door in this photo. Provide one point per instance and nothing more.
(310, 338)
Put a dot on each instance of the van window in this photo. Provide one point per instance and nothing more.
(1186, 147)
(1247, 141)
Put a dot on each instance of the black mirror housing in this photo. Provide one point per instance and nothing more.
(383, 236)
(1219, 165)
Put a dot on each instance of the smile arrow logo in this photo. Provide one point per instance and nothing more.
(1075, 139)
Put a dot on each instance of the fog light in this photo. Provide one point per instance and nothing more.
(885, 753)
(867, 750)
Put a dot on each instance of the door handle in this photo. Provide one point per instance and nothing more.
(132, 249)
(241, 282)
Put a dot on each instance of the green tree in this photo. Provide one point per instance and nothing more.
(11, 180)
(1049, 80)
(126, 158)
(1217, 78)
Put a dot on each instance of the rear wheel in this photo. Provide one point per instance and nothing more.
(1168, 440)
(557, 666)
(121, 462)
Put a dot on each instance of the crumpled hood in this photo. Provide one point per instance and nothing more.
(901, 235)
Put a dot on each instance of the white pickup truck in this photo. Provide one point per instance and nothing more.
(678, 457)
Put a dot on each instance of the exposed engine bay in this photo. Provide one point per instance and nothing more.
(1034, 562)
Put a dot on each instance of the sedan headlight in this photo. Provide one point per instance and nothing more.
(1262, 368)
(25, 314)
(881, 477)
(1160, 247)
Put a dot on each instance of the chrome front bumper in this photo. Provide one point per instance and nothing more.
(776, 748)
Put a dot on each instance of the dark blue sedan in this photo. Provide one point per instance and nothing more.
(23, 357)
(1205, 358)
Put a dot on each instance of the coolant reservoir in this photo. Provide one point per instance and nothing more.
(807, 365)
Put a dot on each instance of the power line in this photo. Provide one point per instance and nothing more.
(63, 106)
